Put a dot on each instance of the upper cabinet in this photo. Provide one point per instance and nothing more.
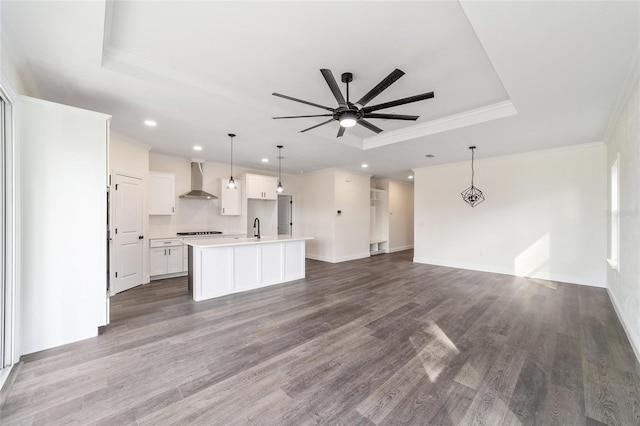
(162, 193)
(261, 187)
(230, 199)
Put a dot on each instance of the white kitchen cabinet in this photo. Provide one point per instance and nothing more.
(231, 266)
(230, 199)
(63, 178)
(162, 193)
(166, 256)
(261, 187)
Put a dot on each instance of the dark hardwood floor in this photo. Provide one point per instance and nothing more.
(373, 341)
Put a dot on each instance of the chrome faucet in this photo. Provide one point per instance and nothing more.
(256, 221)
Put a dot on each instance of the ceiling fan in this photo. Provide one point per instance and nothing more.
(349, 114)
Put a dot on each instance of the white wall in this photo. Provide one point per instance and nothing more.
(400, 216)
(315, 204)
(131, 158)
(8, 65)
(319, 195)
(543, 215)
(64, 211)
(623, 140)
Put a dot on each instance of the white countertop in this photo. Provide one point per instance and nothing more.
(222, 242)
(198, 236)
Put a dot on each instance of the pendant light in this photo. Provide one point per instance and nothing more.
(232, 183)
(472, 195)
(279, 189)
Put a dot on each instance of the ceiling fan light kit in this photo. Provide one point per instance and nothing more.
(348, 119)
(348, 114)
(472, 195)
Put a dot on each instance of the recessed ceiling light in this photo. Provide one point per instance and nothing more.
(265, 160)
(197, 148)
(150, 123)
(410, 176)
(364, 166)
(429, 155)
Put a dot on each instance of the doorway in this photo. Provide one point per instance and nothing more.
(285, 215)
(127, 233)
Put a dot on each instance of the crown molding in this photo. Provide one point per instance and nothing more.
(452, 122)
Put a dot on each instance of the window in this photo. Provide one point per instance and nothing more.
(614, 232)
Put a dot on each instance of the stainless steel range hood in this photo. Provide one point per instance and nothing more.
(196, 185)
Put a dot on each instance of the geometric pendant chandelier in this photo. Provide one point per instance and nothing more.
(472, 195)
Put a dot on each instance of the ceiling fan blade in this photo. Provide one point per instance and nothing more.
(373, 128)
(304, 116)
(340, 132)
(380, 87)
(301, 101)
(391, 116)
(397, 102)
(317, 125)
(333, 85)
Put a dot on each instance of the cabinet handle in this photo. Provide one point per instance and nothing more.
(173, 209)
(169, 252)
(165, 252)
(223, 210)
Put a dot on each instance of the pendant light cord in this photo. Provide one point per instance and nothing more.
(472, 170)
(232, 157)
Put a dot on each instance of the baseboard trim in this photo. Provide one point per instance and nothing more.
(616, 307)
(7, 378)
(401, 248)
(571, 279)
(162, 277)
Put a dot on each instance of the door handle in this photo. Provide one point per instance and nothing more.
(140, 237)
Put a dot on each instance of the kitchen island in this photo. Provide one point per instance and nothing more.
(231, 265)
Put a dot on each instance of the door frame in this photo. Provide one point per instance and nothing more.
(293, 210)
(8, 256)
(112, 221)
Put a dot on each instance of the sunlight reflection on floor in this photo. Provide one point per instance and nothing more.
(438, 353)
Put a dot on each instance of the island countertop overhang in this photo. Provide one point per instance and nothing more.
(225, 242)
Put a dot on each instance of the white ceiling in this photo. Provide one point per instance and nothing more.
(508, 77)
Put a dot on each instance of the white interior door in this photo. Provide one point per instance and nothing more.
(128, 238)
(285, 221)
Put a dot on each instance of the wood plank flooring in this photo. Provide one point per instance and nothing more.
(379, 341)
